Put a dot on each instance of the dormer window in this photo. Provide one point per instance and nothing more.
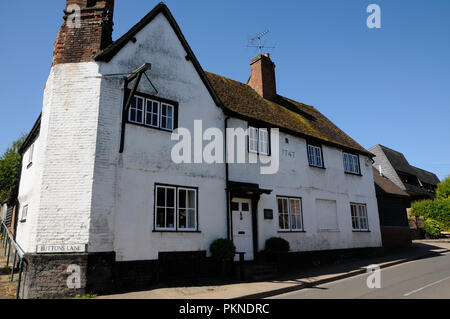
(153, 112)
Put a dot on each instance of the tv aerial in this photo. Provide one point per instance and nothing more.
(257, 42)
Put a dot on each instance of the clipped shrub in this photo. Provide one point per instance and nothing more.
(223, 249)
(277, 246)
(433, 228)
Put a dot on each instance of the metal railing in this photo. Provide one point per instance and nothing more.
(11, 247)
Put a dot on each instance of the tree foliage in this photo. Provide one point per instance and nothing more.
(10, 168)
(443, 189)
(437, 210)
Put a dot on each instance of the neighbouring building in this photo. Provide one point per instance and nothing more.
(418, 183)
(393, 203)
(8, 211)
(99, 188)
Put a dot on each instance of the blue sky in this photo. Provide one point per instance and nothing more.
(387, 86)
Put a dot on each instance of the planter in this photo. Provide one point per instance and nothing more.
(225, 269)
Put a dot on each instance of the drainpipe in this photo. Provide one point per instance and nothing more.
(227, 175)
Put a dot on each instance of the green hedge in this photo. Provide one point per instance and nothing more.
(438, 210)
(433, 228)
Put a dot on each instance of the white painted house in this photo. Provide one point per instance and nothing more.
(98, 175)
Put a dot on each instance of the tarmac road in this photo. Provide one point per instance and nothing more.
(427, 278)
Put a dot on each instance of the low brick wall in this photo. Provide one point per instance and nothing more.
(45, 276)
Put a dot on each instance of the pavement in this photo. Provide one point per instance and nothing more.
(7, 288)
(305, 279)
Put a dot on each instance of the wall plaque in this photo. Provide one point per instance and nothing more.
(268, 213)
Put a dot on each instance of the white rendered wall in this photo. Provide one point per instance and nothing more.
(123, 201)
(60, 211)
(296, 178)
(28, 194)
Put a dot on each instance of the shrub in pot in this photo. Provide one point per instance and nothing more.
(276, 248)
(223, 252)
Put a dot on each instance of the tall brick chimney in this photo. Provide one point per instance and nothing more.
(81, 43)
(262, 79)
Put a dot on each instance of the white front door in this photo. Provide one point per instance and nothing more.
(242, 227)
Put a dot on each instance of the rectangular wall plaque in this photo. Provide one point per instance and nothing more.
(61, 249)
(268, 213)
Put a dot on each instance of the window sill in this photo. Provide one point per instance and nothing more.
(29, 165)
(290, 231)
(354, 174)
(23, 221)
(151, 127)
(319, 167)
(361, 231)
(177, 231)
(259, 154)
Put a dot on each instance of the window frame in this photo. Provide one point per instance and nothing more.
(358, 217)
(186, 208)
(358, 162)
(176, 229)
(315, 146)
(143, 111)
(30, 155)
(258, 141)
(291, 230)
(24, 214)
(160, 101)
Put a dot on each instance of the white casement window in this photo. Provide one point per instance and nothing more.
(253, 139)
(263, 141)
(152, 113)
(187, 209)
(351, 163)
(290, 214)
(30, 154)
(24, 213)
(315, 155)
(176, 208)
(165, 208)
(167, 117)
(258, 140)
(137, 110)
(360, 221)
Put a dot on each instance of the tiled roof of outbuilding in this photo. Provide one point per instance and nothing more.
(383, 185)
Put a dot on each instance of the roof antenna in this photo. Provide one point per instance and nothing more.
(256, 42)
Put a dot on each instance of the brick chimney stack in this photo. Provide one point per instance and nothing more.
(82, 41)
(262, 79)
